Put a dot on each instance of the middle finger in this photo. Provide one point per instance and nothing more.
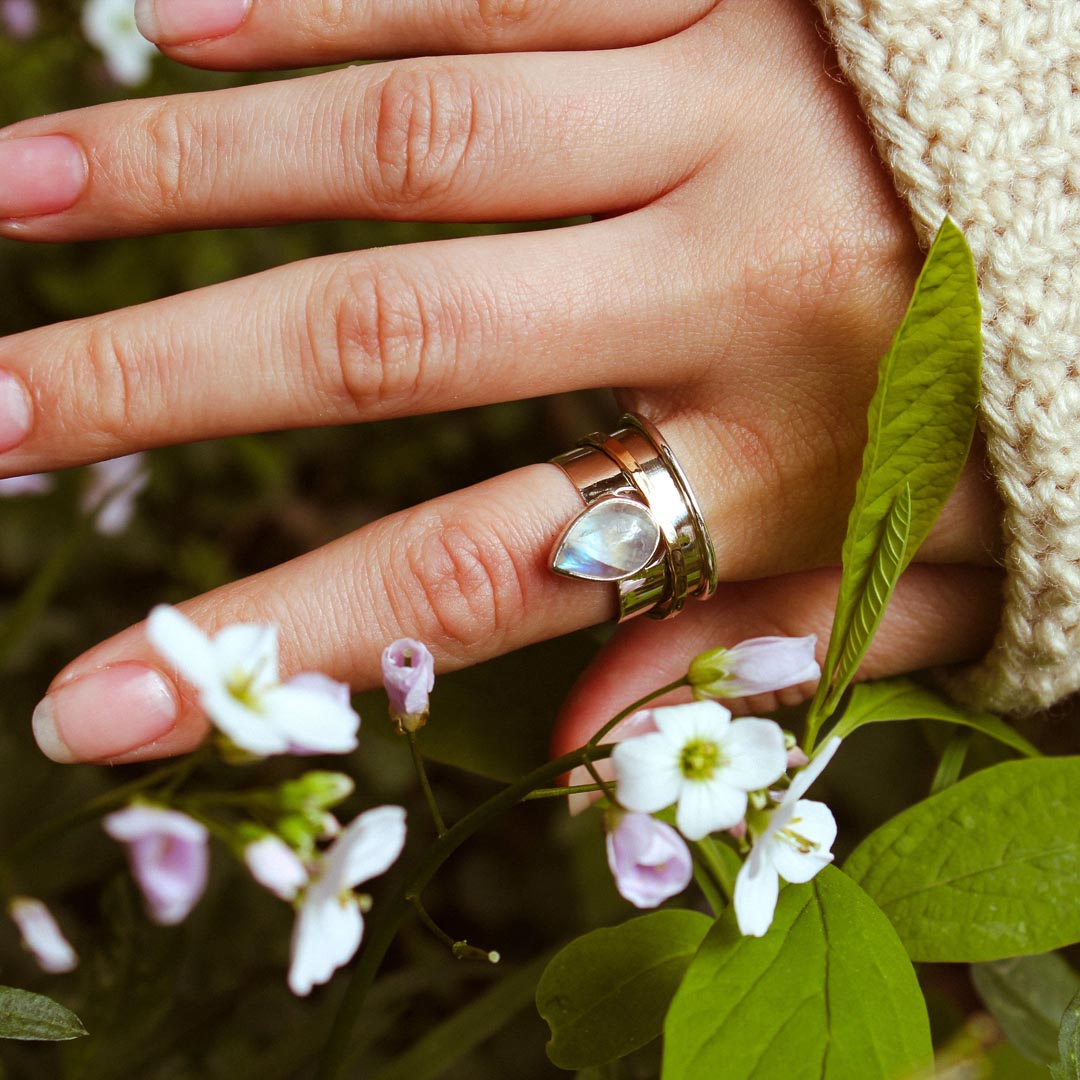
(464, 138)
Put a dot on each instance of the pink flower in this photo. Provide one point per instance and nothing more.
(757, 666)
(408, 671)
(111, 491)
(32, 484)
(649, 860)
(168, 855)
(42, 935)
(20, 18)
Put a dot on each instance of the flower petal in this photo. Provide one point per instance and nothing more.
(647, 775)
(245, 727)
(813, 822)
(365, 848)
(179, 641)
(800, 784)
(41, 934)
(757, 889)
(275, 866)
(708, 805)
(763, 664)
(681, 724)
(754, 754)
(326, 935)
(311, 720)
(251, 650)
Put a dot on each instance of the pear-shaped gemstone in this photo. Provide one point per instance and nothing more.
(609, 541)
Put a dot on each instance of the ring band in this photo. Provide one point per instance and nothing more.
(641, 527)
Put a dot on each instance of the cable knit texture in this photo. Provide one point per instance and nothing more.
(975, 106)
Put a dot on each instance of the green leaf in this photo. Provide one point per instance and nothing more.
(921, 421)
(827, 994)
(1027, 996)
(886, 565)
(987, 869)
(606, 993)
(446, 1044)
(905, 699)
(35, 1018)
(1068, 1065)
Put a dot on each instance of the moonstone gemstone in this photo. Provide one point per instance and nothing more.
(609, 541)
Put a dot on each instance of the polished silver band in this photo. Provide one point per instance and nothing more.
(620, 476)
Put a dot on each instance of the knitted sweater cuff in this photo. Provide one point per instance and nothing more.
(975, 108)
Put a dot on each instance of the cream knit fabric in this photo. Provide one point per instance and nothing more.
(975, 105)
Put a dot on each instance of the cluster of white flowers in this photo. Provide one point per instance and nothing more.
(109, 25)
(720, 774)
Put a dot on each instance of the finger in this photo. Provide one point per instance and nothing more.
(237, 34)
(466, 574)
(345, 338)
(477, 138)
(938, 615)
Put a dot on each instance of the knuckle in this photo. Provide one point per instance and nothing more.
(392, 340)
(461, 584)
(105, 390)
(175, 155)
(384, 336)
(430, 126)
(490, 19)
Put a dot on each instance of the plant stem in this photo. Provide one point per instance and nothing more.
(430, 923)
(40, 590)
(633, 708)
(385, 928)
(561, 792)
(718, 870)
(425, 784)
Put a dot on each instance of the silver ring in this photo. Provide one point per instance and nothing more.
(641, 528)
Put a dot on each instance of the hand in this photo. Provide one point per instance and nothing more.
(748, 268)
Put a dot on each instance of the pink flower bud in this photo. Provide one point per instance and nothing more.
(649, 860)
(738, 831)
(796, 759)
(275, 866)
(169, 859)
(42, 935)
(408, 671)
(757, 666)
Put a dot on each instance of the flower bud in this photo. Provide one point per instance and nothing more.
(41, 934)
(275, 866)
(168, 854)
(408, 671)
(649, 860)
(757, 666)
(318, 790)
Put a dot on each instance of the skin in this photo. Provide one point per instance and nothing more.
(747, 266)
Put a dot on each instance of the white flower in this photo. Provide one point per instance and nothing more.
(41, 934)
(110, 26)
(236, 674)
(330, 922)
(275, 866)
(794, 845)
(110, 494)
(702, 759)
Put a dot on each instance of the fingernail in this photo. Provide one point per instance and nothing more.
(100, 716)
(180, 22)
(16, 413)
(43, 174)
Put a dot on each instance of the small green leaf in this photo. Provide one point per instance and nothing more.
(827, 994)
(987, 869)
(1067, 1067)
(886, 564)
(36, 1018)
(905, 699)
(921, 422)
(446, 1044)
(1027, 996)
(606, 993)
